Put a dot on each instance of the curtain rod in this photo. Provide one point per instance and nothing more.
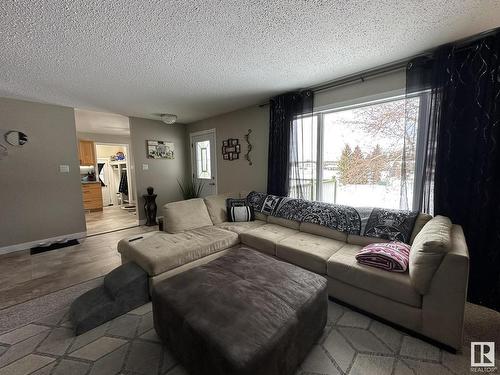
(387, 68)
(360, 76)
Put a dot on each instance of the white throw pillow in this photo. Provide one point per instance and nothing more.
(241, 213)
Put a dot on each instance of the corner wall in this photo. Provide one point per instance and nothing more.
(38, 202)
(162, 174)
(238, 175)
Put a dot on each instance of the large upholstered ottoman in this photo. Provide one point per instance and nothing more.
(243, 313)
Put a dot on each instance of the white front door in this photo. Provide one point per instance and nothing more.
(204, 161)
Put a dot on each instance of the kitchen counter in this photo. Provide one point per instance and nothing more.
(92, 195)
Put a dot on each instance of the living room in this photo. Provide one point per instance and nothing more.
(315, 188)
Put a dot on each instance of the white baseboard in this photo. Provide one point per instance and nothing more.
(29, 245)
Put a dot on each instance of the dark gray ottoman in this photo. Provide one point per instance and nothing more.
(243, 313)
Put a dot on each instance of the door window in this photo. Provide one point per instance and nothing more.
(203, 167)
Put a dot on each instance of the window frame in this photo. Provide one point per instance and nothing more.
(424, 108)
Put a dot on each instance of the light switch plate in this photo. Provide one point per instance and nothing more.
(64, 168)
(145, 167)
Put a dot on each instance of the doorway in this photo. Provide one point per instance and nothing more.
(108, 184)
(204, 161)
(118, 205)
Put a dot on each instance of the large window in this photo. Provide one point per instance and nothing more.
(364, 155)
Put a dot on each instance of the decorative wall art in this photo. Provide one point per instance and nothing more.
(231, 149)
(13, 138)
(249, 146)
(160, 150)
(16, 138)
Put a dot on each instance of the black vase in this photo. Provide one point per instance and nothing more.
(150, 208)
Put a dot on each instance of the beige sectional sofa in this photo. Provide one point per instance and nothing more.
(429, 299)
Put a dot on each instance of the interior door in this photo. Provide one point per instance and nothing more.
(103, 176)
(204, 161)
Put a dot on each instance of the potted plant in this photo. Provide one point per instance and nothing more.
(190, 189)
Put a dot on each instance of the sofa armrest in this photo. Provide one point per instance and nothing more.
(443, 306)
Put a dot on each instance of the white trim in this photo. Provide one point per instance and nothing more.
(362, 101)
(204, 132)
(29, 245)
(319, 156)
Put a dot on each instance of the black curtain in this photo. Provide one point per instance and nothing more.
(284, 109)
(463, 151)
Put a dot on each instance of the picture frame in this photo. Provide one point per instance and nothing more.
(231, 149)
(160, 149)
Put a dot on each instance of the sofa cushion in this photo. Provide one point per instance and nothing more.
(216, 206)
(265, 237)
(355, 239)
(321, 230)
(308, 251)
(244, 193)
(342, 266)
(185, 215)
(260, 216)
(158, 252)
(420, 221)
(240, 227)
(427, 251)
(283, 222)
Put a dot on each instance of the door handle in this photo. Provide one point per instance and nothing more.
(212, 184)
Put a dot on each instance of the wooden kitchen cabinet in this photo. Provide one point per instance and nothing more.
(86, 151)
(92, 196)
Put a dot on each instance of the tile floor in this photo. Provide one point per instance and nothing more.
(351, 344)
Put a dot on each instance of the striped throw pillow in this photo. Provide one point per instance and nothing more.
(390, 256)
(241, 213)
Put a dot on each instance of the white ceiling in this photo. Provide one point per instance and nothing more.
(101, 122)
(197, 59)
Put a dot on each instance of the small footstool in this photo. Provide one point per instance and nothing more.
(123, 289)
(244, 313)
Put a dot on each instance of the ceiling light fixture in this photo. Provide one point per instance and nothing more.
(169, 119)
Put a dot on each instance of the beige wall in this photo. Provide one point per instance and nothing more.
(238, 175)
(162, 174)
(37, 201)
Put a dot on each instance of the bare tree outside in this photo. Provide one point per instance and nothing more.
(364, 150)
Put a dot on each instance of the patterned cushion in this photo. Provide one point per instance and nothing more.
(390, 256)
(387, 224)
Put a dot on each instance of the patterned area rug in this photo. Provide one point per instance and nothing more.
(351, 344)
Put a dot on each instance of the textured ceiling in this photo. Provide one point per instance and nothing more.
(200, 58)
